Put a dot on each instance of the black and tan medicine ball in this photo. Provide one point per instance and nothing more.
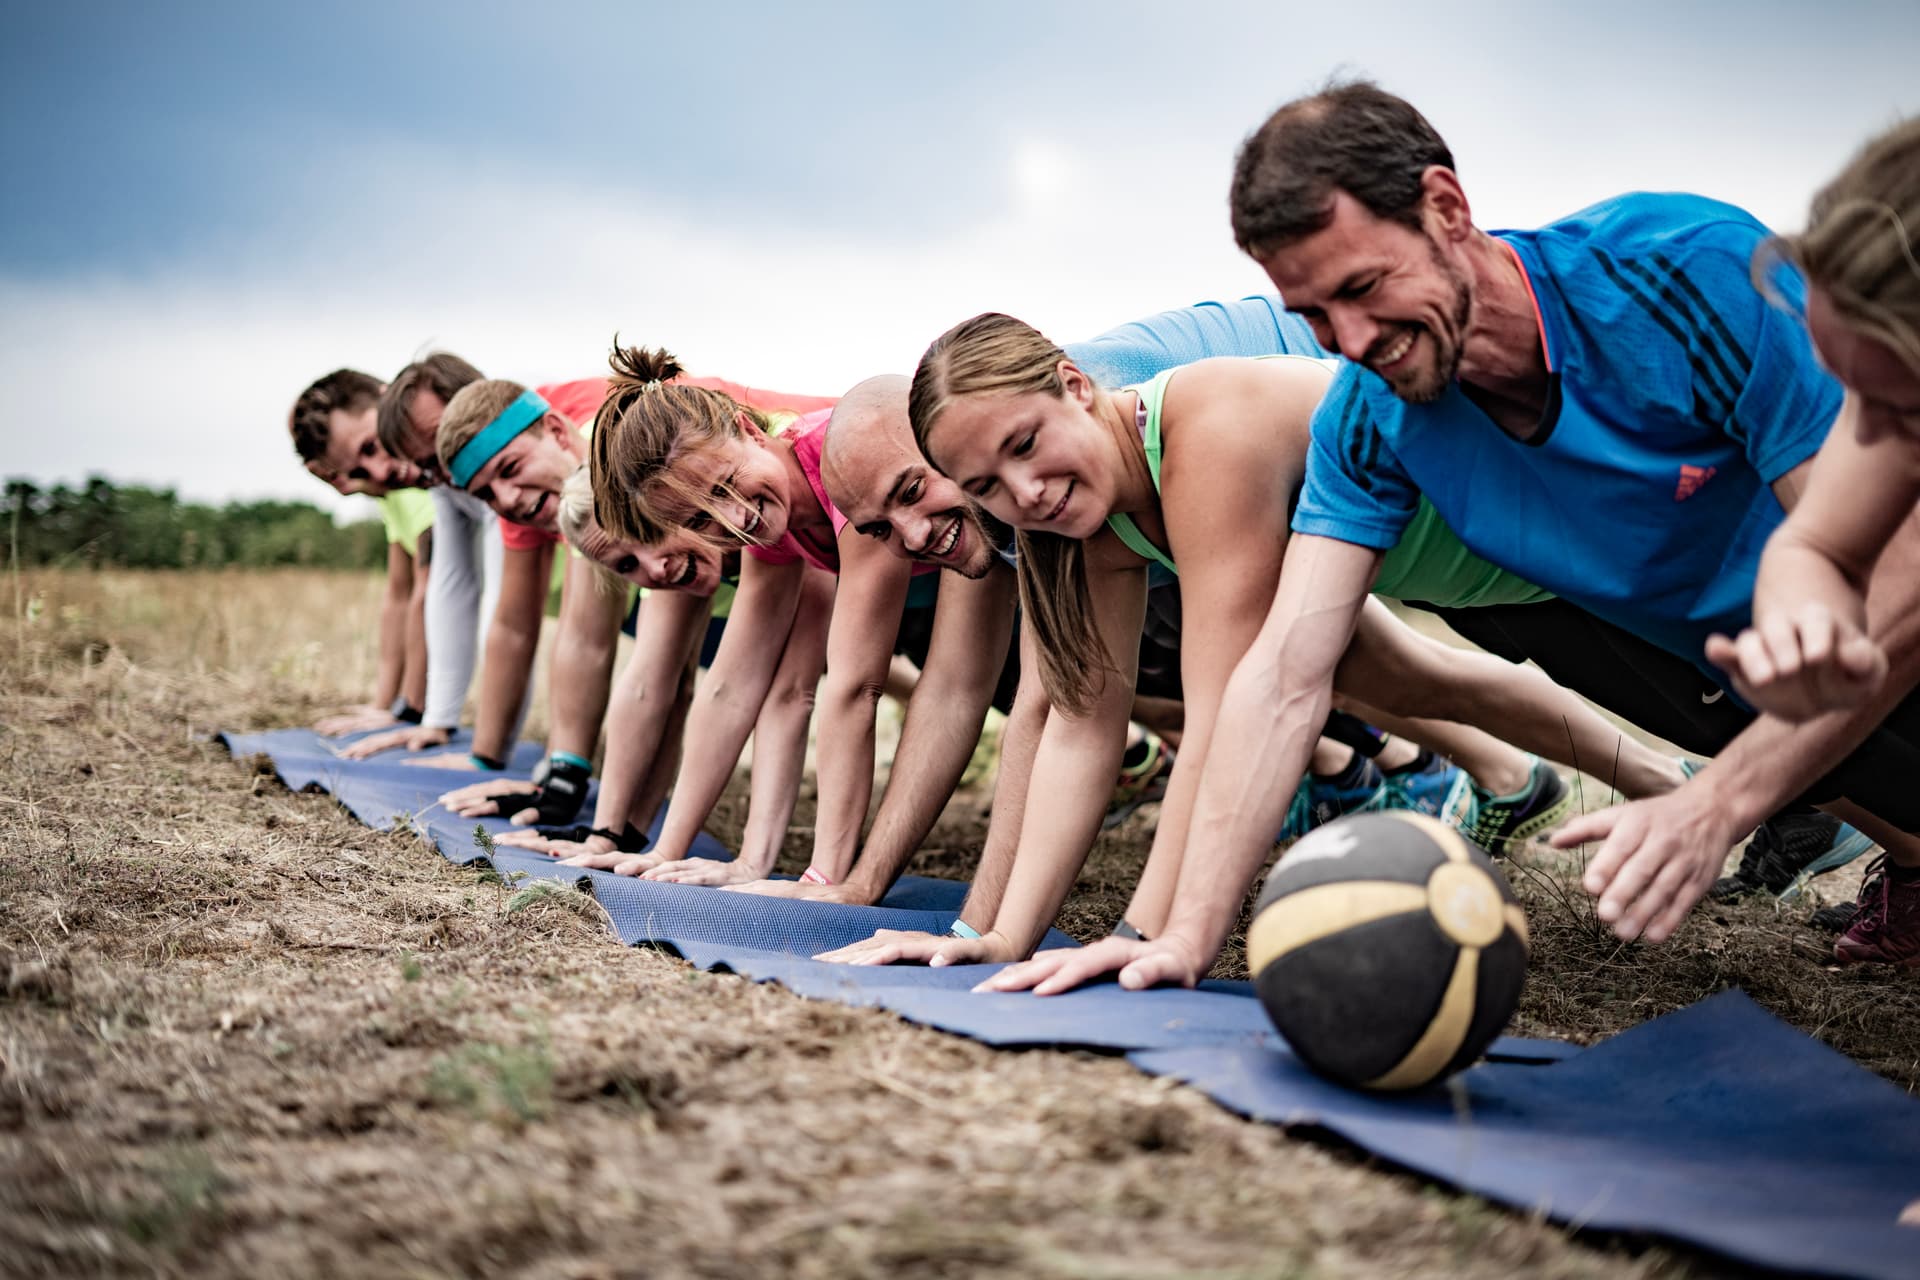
(1388, 950)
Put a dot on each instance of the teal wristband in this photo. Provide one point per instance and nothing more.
(487, 763)
(961, 929)
(567, 757)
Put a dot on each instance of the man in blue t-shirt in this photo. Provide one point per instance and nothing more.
(1605, 407)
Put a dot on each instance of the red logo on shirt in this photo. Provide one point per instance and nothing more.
(1691, 478)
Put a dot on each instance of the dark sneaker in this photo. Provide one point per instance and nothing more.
(1423, 790)
(1835, 919)
(1887, 928)
(1501, 824)
(1788, 850)
(1318, 801)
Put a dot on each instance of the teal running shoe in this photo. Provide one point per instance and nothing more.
(1501, 824)
(1318, 801)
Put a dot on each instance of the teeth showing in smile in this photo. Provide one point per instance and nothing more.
(944, 547)
(1061, 505)
(1395, 353)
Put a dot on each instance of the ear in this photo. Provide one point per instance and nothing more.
(1444, 210)
(749, 429)
(1075, 385)
(558, 429)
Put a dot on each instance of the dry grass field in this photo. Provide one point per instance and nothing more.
(241, 1035)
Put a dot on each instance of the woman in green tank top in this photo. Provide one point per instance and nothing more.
(1196, 470)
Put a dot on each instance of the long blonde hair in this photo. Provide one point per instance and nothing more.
(646, 428)
(1861, 247)
(995, 354)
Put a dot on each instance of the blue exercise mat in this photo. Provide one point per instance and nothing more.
(1718, 1125)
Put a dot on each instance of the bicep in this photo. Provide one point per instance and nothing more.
(867, 603)
(1848, 502)
(762, 615)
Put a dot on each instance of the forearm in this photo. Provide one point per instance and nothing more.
(393, 645)
(844, 771)
(1794, 574)
(637, 727)
(503, 686)
(452, 609)
(413, 682)
(779, 755)
(1019, 744)
(942, 728)
(577, 686)
(718, 725)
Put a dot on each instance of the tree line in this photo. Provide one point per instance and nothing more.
(132, 526)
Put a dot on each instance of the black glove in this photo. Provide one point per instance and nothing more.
(632, 840)
(562, 786)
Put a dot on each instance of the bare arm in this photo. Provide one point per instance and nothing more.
(511, 642)
(393, 624)
(972, 626)
(866, 618)
(780, 731)
(581, 670)
(413, 682)
(728, 701)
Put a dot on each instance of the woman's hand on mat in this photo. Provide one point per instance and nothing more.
(355, 720)
(846, 895)
(621, 864)
(482, 799)
(1657, 857)
(554, 848)
(445, 760)
(1801, 663)
(409, 737)
(910, 946)
(706, 871)
(1139, 964)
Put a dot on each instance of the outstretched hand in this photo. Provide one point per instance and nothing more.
(445, 760)
(482, 799)
(552, 847)
(1657, 858)
(1140, 964)
(621, 864)
(910, 946)
(1802, 663)
(355, 720)
(804, 891)
(409, 737)
(710, 871)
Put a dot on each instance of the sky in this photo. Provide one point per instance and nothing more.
(210, 205)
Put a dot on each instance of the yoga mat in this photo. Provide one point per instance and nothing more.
(1718, 1125)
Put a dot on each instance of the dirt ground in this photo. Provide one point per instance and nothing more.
(241, 1035)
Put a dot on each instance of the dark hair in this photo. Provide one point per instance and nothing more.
(346, 389)
(442, 373)
(1353, 137)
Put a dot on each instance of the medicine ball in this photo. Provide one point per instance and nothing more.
(1387, 950)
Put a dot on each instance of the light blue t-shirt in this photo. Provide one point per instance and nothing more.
(1677, 394)
(1136, 351)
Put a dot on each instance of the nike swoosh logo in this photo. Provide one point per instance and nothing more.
(1715, 696)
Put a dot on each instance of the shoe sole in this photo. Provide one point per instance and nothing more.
(1540, 823)
(1844, 956)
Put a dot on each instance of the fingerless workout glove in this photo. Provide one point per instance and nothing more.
(632, 840)
(562, 782)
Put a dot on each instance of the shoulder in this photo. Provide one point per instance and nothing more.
(1633, 241)
(1244, 395)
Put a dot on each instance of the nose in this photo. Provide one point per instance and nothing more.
(734, 515)
(916, 532)
(1353, 331)
(1031, 491)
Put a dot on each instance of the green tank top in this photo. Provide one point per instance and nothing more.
(1429, 564)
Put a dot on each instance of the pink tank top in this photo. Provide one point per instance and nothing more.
(808, 437)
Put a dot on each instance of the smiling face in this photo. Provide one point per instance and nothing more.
(522, 482)
(1885, 389)
(354, 461)
(741, 487)
(919, 514)
(681, 564)
(1035, 461)
(1381, 294)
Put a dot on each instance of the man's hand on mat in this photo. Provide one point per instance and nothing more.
(705, 871)
(910, 946)
(1140, 964)
(355, 720)
(621, 864)
(409, 737)
(445, 760)
(1801, 664)
(1656, 858)
(846, 895)
(554, 848)
(482, 799)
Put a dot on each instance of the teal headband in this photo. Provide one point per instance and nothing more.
(493, 437)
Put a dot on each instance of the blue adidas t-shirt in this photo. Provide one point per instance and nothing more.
(1677, 394)
(1136, 351)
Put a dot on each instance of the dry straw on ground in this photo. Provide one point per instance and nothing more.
(242, 1035)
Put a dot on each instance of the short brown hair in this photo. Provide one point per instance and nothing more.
(1352, 136)
(344, 389)
(442, 373)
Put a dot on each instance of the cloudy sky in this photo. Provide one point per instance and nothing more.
(208, 205)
